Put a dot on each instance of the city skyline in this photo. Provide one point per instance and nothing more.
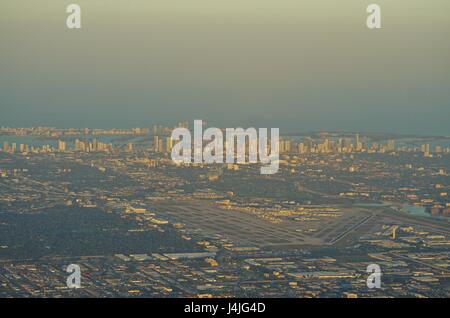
(161, 140)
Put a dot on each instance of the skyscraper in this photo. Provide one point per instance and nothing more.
(358, 145)
(5, 147)
(169, 144)
(61, 146)
(391, 145)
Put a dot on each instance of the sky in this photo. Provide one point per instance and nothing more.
(296, 65)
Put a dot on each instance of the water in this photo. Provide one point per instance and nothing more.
(415, 210)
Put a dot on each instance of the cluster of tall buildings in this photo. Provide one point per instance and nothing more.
(350, 145)
(59, 132)
(162, 144)
(24, 148)
(85, 146)
(162, 141)
(341, 145)
(90, 146)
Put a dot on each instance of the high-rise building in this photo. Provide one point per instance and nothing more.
(157, 144)
(347, 145)
(80, 145)
(169, 144)
(61, 145)
(130, 147)
(390, 145)
(285, 146)
(425, 148)
(155, 141)
(359, 145)
(301, 148)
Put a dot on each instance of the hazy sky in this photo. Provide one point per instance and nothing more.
(298, 65)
